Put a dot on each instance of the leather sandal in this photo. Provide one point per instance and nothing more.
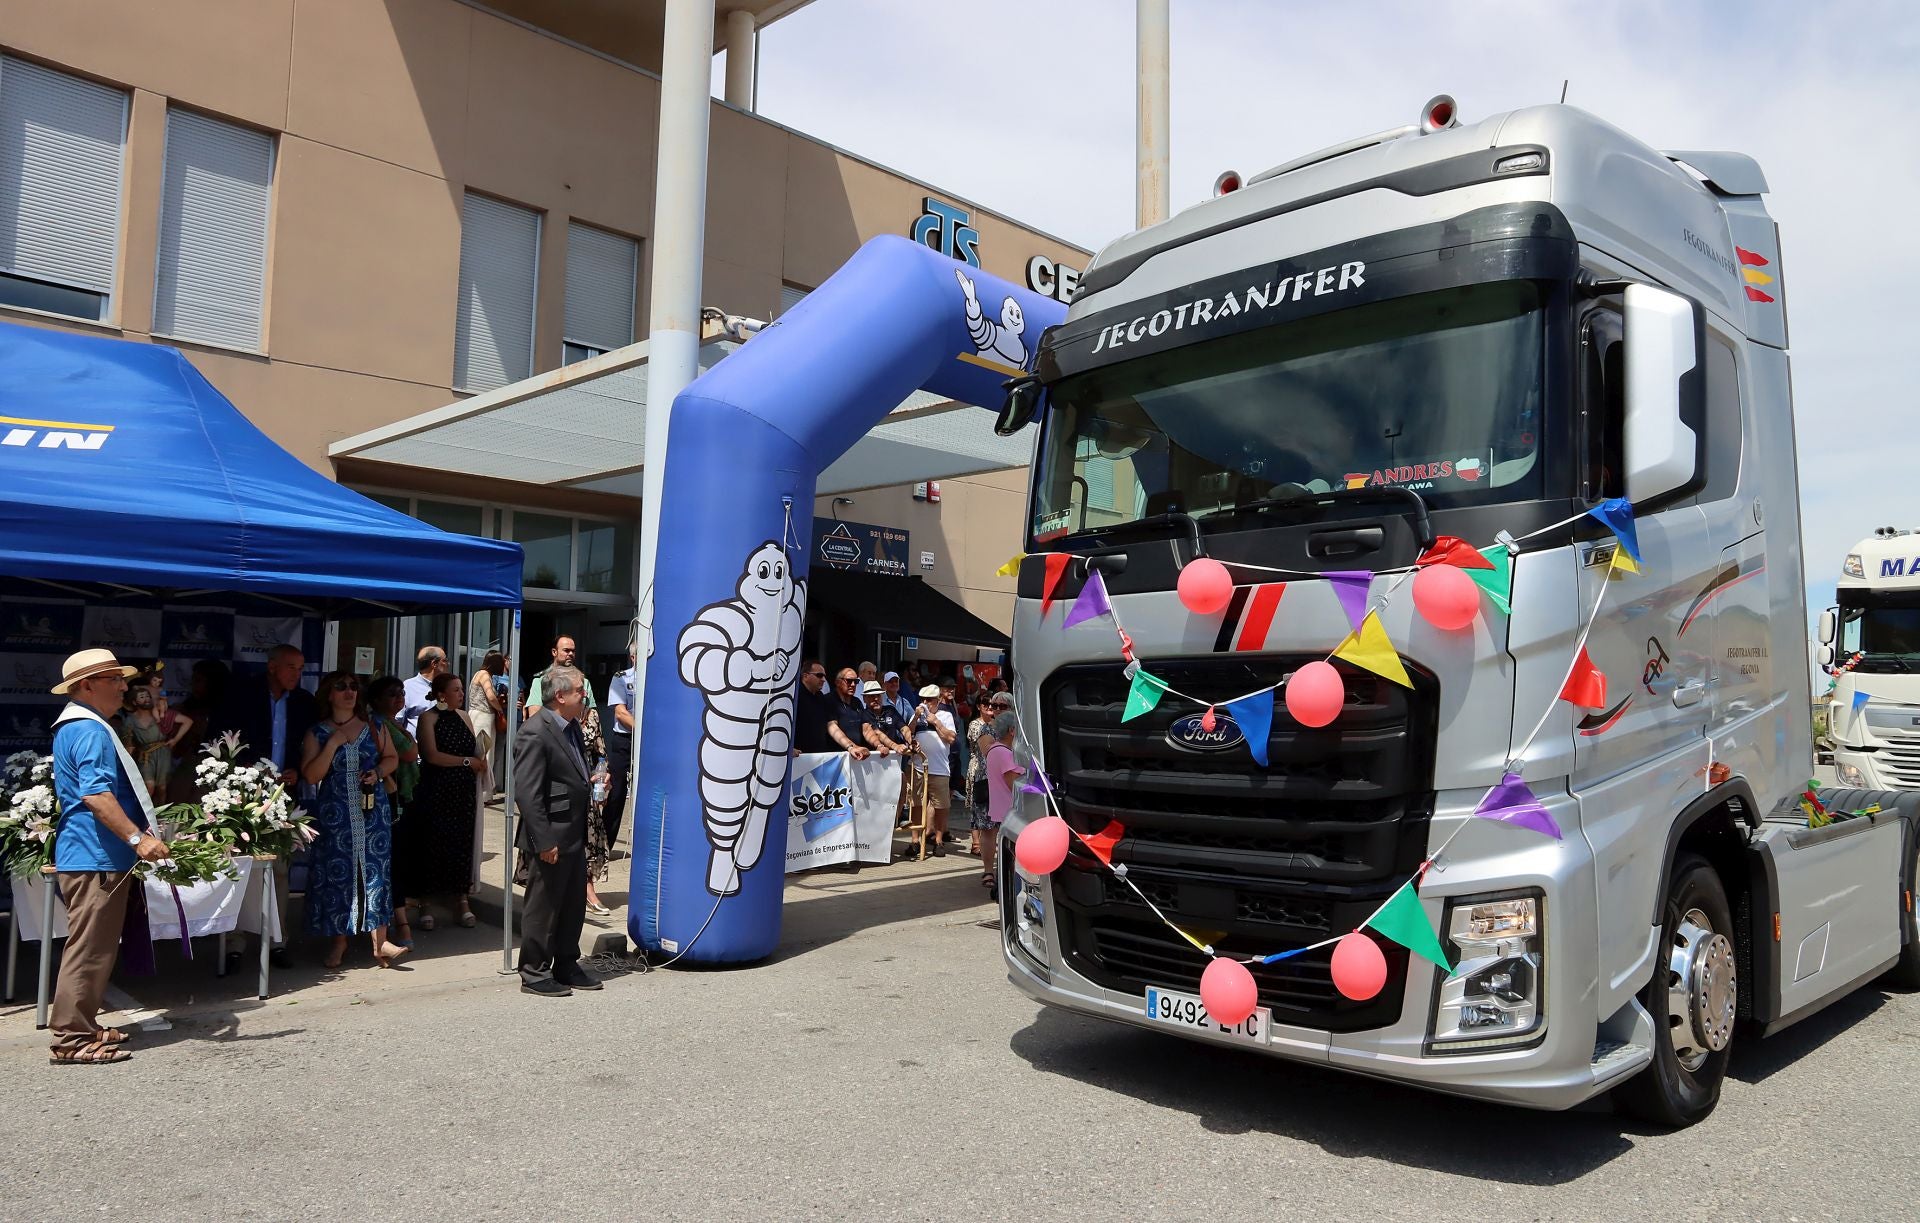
(89, 1055)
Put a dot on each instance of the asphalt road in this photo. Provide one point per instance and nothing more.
(890, 1072)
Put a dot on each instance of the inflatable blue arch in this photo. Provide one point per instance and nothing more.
(745, 444)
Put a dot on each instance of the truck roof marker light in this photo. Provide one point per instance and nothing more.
(1521, 163)
(1439, 114)
(1228, 182)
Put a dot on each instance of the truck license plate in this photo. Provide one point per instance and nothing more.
(1185, 1011)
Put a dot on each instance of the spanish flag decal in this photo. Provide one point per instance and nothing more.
(1750, 264)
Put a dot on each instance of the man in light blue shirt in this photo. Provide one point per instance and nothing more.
(891, 682)
(101, 834)
(428, 664)
(619, 750)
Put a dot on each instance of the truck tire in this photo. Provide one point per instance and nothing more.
(1906, 974)
(1694, 1000)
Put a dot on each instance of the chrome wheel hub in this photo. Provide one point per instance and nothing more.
(1702, 990)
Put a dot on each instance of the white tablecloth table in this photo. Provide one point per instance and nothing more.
(242, 901)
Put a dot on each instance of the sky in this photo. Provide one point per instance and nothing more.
(1026, 107)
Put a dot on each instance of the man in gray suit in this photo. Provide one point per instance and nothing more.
(551, 790)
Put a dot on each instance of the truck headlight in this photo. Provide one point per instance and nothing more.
(1853, 568)
(1499, 944)
(1850, 776)
(1028, 915)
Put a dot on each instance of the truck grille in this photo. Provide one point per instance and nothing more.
(1250, 860)
(1899, 760)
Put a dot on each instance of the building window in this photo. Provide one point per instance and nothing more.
(452, 516)
(62, 147)
(602, 270)
(499, 265)
(547, 544)
(211, 282)
(605, 555)
(791, 296)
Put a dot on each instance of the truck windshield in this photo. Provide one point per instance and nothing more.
(1437, 392)
(1888, 634)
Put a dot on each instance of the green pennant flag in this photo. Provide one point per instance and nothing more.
(1143, 696)
(1404, 920)
(1497, 581)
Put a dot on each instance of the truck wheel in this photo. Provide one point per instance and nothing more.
(1906, 974)
(1694, 998)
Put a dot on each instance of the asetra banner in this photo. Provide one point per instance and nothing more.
(841, 810)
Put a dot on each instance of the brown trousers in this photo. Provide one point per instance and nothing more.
(96, 910)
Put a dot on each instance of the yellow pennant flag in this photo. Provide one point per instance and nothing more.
(1622, 562)
(1012, 567)
(1368, 647)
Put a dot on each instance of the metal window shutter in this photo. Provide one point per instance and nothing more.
(212, 266)
(791, 297)
(1099, 476)
(62, 146)
(602, 269)
(499, 261)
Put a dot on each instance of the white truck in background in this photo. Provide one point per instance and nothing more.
(1870, 644)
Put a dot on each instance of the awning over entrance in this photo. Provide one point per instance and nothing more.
(582, 426)
(907, 606)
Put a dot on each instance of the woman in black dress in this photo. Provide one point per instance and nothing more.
(441, 841)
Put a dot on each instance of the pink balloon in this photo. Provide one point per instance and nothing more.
(1315, 694)
(1446, 596)
(1227, 991)
(1359, 970)
(1205, 586)
(1042, 845)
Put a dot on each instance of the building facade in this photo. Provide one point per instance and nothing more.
(348, 213)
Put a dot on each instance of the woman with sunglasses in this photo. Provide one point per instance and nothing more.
(349, 864)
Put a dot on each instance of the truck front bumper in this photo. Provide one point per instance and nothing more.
(1558, 1068)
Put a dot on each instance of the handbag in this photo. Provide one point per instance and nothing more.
(978, 795)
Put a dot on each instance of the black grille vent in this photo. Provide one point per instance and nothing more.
(1255, 860)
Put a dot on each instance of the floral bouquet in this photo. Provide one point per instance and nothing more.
(243, 808)
(29, 813)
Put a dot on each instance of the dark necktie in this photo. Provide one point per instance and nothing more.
(578, 740)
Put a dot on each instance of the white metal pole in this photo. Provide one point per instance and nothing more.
(679, 234)
(1150, 124)
(506, 803)
(742, 45)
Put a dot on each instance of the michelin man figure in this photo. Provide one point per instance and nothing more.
(1001, 341)
(743, 655)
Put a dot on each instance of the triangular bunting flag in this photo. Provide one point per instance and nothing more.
(1586, 685)
(1616, 514)
(1497, 578)
(1143, 696)
(1255, 716)
(1126, 644)
(1452, 550)
(1012, 567)
(1860, 700)
(1353, 586)
(1092, 601)
(1102, 842)
(1512, 802)
(1367, 646)
(1404, 920)
(1622, 562)
(1035, 782)
(1208, 721)
(1056, 569)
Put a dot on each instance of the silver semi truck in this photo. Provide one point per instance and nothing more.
(1477, 331)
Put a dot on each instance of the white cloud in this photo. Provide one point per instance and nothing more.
(1027, 108)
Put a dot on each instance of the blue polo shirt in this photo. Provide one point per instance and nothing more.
(84, 763)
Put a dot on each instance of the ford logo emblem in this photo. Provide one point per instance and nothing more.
(1187, 735)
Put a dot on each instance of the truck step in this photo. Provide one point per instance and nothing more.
(1614, 1057)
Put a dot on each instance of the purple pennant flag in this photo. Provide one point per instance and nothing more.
(1512, 802)
(1353, 586)
(1092, 601)
(1036, 782)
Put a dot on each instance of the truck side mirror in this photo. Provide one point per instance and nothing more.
(1829, 623)
(1665, 394)
(1825, 657)
(1024, 397)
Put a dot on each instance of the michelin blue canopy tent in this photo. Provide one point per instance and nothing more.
(122, 471)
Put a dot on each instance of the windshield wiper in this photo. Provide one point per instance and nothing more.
(1416, 505)
(1172, 518)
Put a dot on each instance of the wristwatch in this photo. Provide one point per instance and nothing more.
(136, 838)
(466, 762)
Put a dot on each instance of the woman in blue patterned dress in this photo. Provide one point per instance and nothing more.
(349, 865)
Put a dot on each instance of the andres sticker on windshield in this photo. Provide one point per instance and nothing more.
(1417, 475)
(1335, 278)
(1051, 526)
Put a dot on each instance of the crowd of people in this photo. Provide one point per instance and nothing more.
(945, 740)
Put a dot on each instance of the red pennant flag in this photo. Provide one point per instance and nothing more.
(1207, 721)
(1126, 645)
(1102, 842)
(1056, 569)
(1452, 550)
(1587, 686)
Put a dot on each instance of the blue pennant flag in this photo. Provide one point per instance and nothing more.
(1616, 514)
(1255, 716)
(1859, 699)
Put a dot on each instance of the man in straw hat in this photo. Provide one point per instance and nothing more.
(105, 814)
